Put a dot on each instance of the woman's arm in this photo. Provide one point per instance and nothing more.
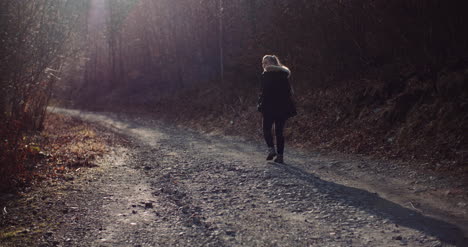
(292, 111)
(290, 88)
(260, 96)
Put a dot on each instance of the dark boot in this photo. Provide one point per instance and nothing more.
(279, 159)
(271, 154)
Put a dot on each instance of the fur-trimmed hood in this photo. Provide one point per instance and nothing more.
(272, 68)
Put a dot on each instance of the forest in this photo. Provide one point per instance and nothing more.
(374, 78)
(365, 73)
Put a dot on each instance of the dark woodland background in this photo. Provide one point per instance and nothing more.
(380, 77)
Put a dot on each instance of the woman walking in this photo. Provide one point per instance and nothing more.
(275, 103)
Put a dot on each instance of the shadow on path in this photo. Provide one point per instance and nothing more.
(375, 205)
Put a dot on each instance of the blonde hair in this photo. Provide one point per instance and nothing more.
(274, 60)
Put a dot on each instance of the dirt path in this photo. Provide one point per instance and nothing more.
(175, 187)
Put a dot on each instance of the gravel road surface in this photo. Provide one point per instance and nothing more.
(176, 187)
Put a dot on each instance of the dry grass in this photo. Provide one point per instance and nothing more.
(64, 146)
(73, 140)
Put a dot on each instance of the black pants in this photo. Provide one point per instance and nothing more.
(279, 122)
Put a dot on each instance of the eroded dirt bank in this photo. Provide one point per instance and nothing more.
(175, 187)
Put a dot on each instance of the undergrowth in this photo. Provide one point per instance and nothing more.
(414, 119)
(65, 145)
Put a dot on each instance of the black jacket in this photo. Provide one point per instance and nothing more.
(275, 97)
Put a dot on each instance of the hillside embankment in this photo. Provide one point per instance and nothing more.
(418, 118)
